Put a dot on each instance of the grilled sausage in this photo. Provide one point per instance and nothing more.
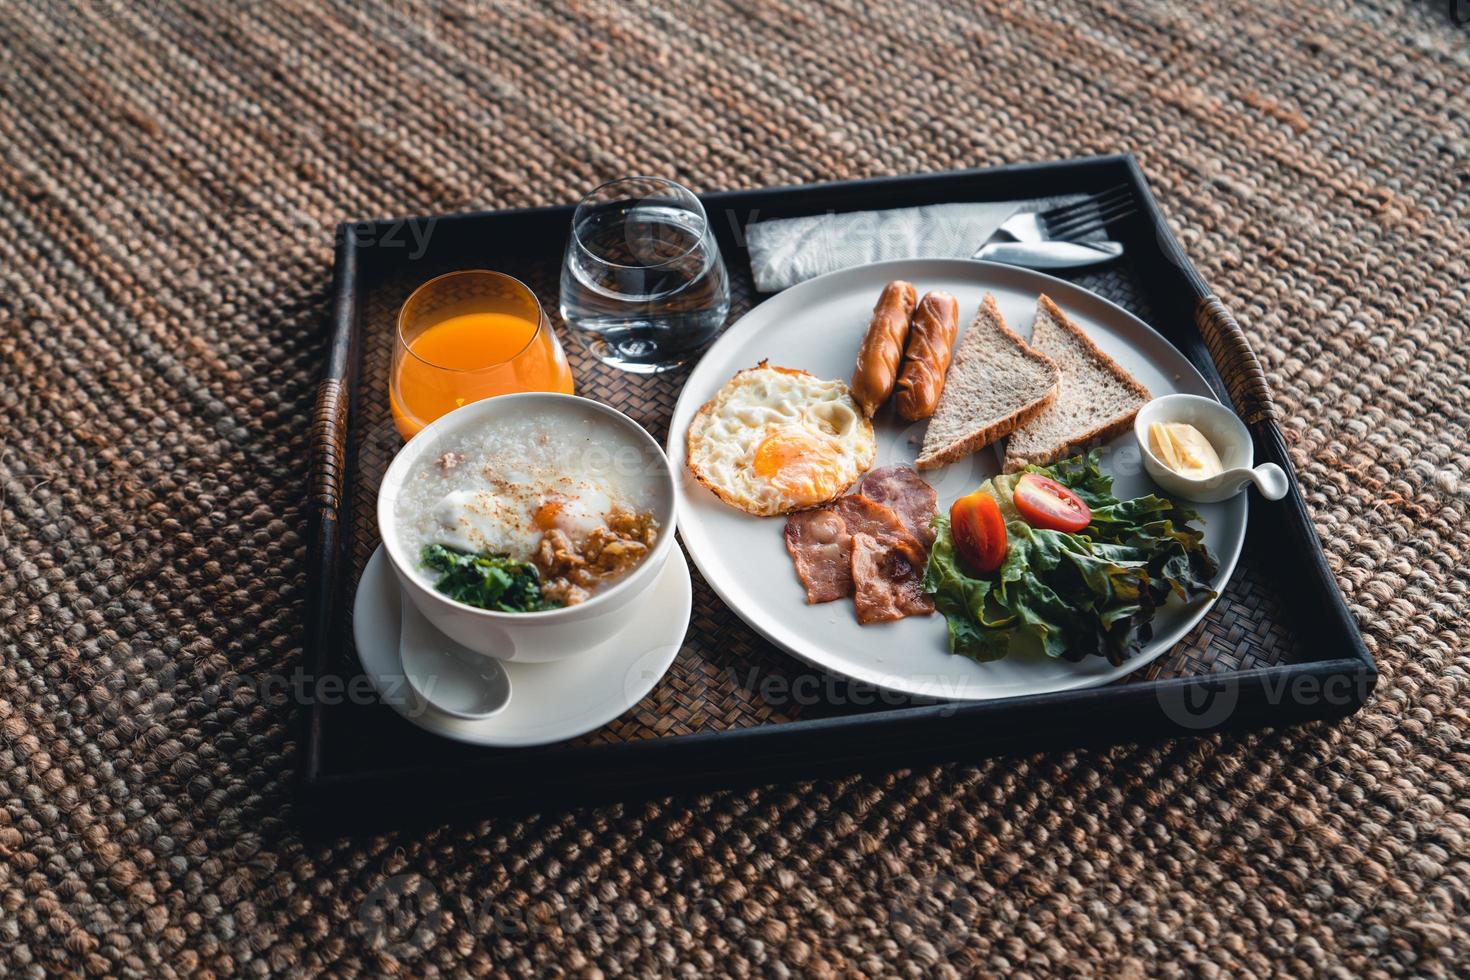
(931, 342)
(877, 363)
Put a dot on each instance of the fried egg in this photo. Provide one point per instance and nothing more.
(774, 440)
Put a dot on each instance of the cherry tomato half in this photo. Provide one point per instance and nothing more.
(1045, 503)
(979, 532)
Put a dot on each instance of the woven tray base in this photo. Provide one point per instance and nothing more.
(727, 675)
(169, 178)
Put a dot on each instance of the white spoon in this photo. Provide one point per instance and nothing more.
(453, 678)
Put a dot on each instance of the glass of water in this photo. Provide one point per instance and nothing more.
(643, 286)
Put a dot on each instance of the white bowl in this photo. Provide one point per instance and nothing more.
(532, 637)
(1231, 439)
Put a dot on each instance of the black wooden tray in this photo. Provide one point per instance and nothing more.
(1280, 645)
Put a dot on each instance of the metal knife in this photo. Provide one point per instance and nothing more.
(1051, 255)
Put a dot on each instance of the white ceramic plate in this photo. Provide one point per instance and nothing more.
(549, 702)
(817, 326)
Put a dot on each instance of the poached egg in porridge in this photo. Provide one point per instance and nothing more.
(513, 518)
(525, 516)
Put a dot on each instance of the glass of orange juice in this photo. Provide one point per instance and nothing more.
(470, 335)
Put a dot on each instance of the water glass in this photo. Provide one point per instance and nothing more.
(643, 286)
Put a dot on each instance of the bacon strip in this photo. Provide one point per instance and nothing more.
(821, 548)
(905, 492)
(889, 578)
(857, 546)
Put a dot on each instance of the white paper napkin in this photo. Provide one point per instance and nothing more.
(787, 251)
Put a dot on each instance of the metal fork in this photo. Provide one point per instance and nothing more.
(1049, 239)
(1070, 222)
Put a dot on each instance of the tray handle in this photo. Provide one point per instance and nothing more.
(329, 445)
(1244, 378)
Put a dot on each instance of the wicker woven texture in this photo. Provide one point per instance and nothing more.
(726, 676)
(169, 178)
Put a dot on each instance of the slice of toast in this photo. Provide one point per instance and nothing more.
(995, 384)
(1098, 399)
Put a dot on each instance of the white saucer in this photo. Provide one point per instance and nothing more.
(549, 702)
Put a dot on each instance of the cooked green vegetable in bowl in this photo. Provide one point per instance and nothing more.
(495, 582)
(1091, 591)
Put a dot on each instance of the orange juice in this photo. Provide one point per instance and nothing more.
(471, 356)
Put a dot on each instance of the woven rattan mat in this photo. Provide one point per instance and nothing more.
(726, 675)
(169, 179)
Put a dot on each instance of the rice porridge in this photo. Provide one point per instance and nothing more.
(529, 513)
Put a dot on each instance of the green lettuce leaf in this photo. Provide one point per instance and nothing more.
(1081, 475)
(1093, 593)
(975, 629)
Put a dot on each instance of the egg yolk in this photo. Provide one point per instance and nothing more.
(547, 514)
(800, 465)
